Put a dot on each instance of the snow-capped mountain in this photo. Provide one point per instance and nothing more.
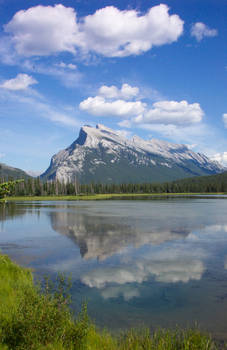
(103, 155)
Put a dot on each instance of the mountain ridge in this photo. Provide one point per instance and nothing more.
(101, 154)
(7, 172)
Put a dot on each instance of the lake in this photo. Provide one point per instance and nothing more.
(158, 263)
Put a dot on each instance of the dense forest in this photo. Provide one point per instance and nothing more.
(201, 184)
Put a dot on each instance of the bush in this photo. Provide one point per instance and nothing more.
(32, 318)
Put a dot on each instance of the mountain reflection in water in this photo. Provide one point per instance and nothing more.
(140, 253)
(101, 237)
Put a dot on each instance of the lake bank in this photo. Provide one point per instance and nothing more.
(108, 196)
(35, 320)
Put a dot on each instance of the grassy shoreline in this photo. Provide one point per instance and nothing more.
(35, 319)
(106, 196)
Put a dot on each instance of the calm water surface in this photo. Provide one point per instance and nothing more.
(154, 263)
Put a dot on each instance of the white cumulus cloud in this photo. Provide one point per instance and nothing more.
(115, 33)
(172, 112)
(200, 30)
(21, 82)
(100, 107)
(45, 30)
(126, 92)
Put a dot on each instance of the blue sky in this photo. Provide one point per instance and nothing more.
(155, 69)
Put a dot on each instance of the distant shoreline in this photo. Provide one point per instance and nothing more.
(110, 196)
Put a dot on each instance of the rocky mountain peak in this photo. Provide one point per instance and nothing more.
(101, 154)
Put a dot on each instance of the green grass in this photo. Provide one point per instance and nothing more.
(30, 319)
(102, 196)
(41, 320)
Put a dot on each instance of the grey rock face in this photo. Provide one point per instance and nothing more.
(103, 155)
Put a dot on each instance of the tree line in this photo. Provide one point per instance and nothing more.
(36, 187)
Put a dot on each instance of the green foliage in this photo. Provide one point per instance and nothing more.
(166, 340)
(31, 319)
(135, 339)
(6, 188)
(42, 320)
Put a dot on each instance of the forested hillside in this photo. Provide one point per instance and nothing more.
(211, 183)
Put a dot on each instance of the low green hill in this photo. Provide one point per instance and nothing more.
(7, 172)
(211, 183)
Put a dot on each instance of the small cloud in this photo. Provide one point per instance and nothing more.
(200, 30)
(191, 146)
(126, 92)
(172, 112)
(125, 123)
(66, 65)
(21, 82)
(2, 155)
(127, 292)
(112, 101)
(34, 173)
(224, 118)
(220, 158)
(67, 75)
(98, 106)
